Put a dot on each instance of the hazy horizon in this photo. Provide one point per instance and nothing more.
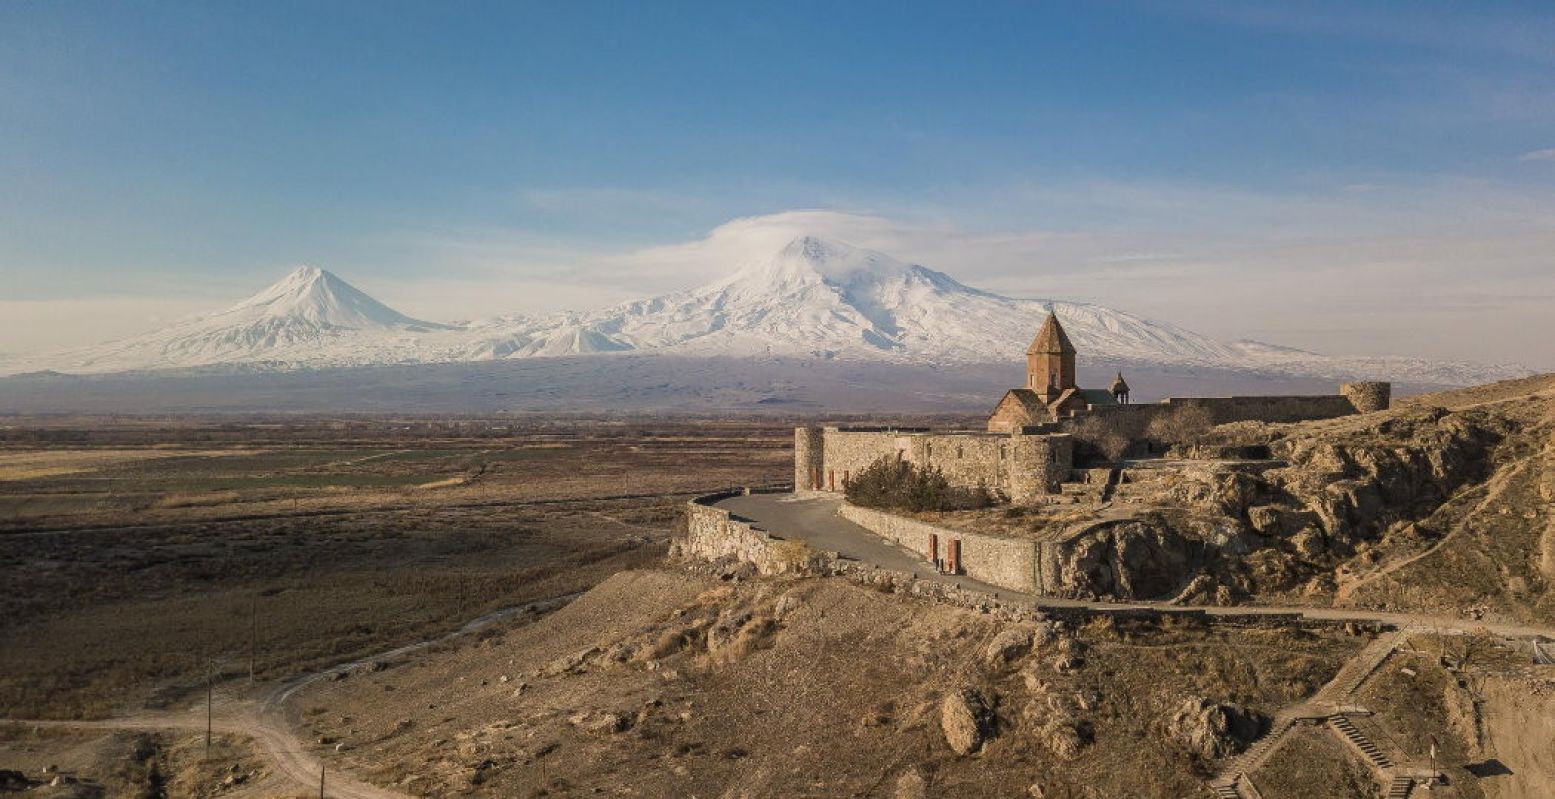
(1347, 181)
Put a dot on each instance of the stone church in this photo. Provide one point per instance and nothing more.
(1050, 392)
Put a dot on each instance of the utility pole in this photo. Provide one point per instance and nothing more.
(209, 701)
(253, 633)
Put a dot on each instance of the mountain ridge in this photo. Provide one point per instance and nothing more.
(812, 298)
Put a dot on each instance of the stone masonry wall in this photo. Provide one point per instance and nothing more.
(1225, 410)
(1020, 466)
(1368, 397)
(1132, 420)
(809, 458)
(712, 534)
(1040, 463)
(966, 459)
(846, 453)
(1002, 562)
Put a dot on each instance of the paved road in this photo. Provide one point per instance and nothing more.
(815, 520)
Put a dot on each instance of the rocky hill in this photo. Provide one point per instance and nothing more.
(1440, 505)
(675, 683)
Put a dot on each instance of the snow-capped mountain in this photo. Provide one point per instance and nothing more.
(826, 299)
(310, 317)
(813, 299)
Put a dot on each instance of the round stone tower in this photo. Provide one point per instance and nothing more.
(809, 457)
(1368, 397)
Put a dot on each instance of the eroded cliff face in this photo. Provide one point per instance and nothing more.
(1132, 559)
(1214, 534)
(1352, 484)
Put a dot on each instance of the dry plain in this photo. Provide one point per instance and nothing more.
(483, 607)
(145, 557)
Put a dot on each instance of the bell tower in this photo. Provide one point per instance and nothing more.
(1050, 360)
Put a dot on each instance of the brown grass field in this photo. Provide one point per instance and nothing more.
(142, 554)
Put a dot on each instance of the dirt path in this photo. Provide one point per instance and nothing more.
(264, 717)
(1492, 491)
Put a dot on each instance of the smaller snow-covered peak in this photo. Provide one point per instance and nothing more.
(318, 298)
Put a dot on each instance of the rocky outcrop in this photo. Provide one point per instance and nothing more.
(1353, 484)
(1130, 559)
(1007, 647)
(1547, 495)
(1214, 730)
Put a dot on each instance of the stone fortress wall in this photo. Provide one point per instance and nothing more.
(1132, 420)
(1003, 562)
(1352, 398)
(1020, 466)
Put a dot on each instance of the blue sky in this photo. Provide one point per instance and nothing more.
(1375, 172)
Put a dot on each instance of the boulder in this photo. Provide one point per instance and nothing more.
(912, 785)
(1064, 738)
(966, 720)
(1214, 729)
(1007, 647)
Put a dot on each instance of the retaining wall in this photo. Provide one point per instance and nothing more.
(997, 561)
(712, 533)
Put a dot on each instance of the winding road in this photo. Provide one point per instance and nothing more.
(263, 717)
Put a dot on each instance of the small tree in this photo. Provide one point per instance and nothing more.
(1101, 437)
(1180, 425)
(893, 483)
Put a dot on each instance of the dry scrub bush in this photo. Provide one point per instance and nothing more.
(1180, 426)
(901, 485)
(1099, 438)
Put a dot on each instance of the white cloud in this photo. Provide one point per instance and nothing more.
(1547, 154)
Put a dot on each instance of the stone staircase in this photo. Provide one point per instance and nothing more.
(1358, 740)
(1233, 778)
(1354, 674)
(1079, 493)
(1328, 705)
(1401, 788)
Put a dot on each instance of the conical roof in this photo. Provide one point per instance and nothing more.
(1119, 385)
(1051, 339)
